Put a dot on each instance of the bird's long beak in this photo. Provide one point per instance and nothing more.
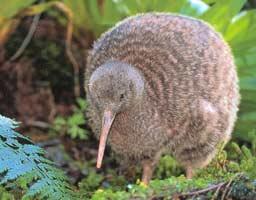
(107, 120)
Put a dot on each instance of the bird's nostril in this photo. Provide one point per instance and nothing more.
(121, 97)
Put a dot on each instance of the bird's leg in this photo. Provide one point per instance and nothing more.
(148, 168)
(189, 172)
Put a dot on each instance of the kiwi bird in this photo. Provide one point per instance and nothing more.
(161, 83)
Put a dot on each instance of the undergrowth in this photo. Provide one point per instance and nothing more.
(72, 125)
(25, 172)
(23, 167)
(222, 178)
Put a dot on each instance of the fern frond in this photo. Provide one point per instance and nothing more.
(20, 158)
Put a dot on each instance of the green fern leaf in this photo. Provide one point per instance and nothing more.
(20, 159)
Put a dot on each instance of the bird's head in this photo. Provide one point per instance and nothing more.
(113, 87)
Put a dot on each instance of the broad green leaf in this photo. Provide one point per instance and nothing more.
(210, 1)
(9, 8)
(111, 12)
(186, 7)
(95, 17)
(80, 12)
(94, 11)
(241, 34)
(193, 8)
(221, 13)
(130, 7)
(248, 84)
(246, 59)
(249, 116)
(39, 8)
(167, 5)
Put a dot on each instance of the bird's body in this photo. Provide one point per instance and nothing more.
(190, 95)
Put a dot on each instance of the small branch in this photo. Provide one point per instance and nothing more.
(28, 38)
(49, 143)
(218, 187)
(228, 186)
(68, 42)
(226, 189)
(216, 193)
(213, 187)
(35, 9)
(37, 124)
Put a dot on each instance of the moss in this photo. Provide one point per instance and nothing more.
(179, 187)
(5, 195)
(48, 57)
(223, 176)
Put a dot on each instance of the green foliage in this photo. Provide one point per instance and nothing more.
(90, 183)
(240, 35)
(163, 189)
(9, 9)
(222, 12)
(50, 67)
(23, 164)
(221, 170)
(5, 195)
(247, 159)
(167, 167)
(71, 125)
(95, 17)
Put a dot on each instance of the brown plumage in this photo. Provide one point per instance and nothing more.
(162, 83)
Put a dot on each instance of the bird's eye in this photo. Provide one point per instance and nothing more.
(121, 97)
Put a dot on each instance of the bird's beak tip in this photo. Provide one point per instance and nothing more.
(108, 118)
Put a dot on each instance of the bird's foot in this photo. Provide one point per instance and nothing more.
(149, 165)
(189, 172)
(148, 169)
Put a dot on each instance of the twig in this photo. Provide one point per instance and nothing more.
(204, 190)
(28, 38)
(68, 42)
(228, 185)
(38, 124)
(66, 10)
(49, 143)
(215, 195)
(226, 188)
